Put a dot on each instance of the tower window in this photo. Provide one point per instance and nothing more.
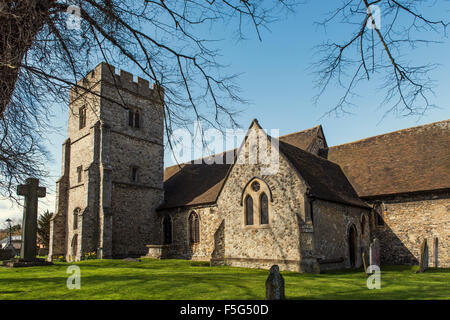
(76, 213)
(80, 173)
(134, 174)
(82, 117)
(134, 118)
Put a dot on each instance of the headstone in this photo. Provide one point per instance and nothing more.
(423, 264)
(374, 253)
(32, 192)
(275, 284)
(436, 253)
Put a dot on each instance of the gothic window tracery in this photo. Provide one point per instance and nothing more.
(255, 200)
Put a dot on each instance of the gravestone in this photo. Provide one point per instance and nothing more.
(423, 265)
(374, 253)
(275, 284)
(32, 192)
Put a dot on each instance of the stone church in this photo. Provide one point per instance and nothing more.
(319, 211)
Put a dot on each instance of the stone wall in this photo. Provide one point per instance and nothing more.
(331, 227)
(408, 220)
(261, 246)
(209, 221)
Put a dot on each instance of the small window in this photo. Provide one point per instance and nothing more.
(378, 212)
(82, 117)
(249, 211)
(134, 174)
(80, 174)
(379, 218)
(75, 219)
(264, 207)
(194, 228)
(130, 118)
(134, 118)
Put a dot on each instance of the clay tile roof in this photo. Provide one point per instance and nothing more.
(191, 184)
(197, 184)
(325, 179)
(411, 160)
(302, 139)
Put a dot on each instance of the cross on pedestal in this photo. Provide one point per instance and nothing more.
(32, 193)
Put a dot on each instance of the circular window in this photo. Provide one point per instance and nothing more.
(256, 186)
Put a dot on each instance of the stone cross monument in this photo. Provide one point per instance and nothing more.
(32, 192)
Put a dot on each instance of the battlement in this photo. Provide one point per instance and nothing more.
(123, 80)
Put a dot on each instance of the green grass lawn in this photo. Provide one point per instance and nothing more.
(180, 279)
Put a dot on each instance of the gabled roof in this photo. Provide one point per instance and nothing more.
(303, 139)
(192, 184)
(325, 179)
(410, 160)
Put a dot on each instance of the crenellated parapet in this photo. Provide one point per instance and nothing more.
(122, 80)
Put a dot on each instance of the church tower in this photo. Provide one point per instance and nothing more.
(112, 168)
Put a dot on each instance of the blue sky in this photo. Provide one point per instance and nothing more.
(277, 80)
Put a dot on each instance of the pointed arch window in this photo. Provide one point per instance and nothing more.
(264, 209)
(76, 213)
(256, 200)
(249, 210)
(137, 123)
(134, 118)
(194, 228)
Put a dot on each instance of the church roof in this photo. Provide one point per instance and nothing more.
(302, 139)
(192, 184)
(410, 160)
(324, 178)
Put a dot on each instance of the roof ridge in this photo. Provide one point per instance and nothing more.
(312, 154)
(391, 132)
(193, 160)
(289, 134)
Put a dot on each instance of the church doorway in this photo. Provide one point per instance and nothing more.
(352, 245)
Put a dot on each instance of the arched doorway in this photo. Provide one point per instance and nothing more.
(352, 245)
